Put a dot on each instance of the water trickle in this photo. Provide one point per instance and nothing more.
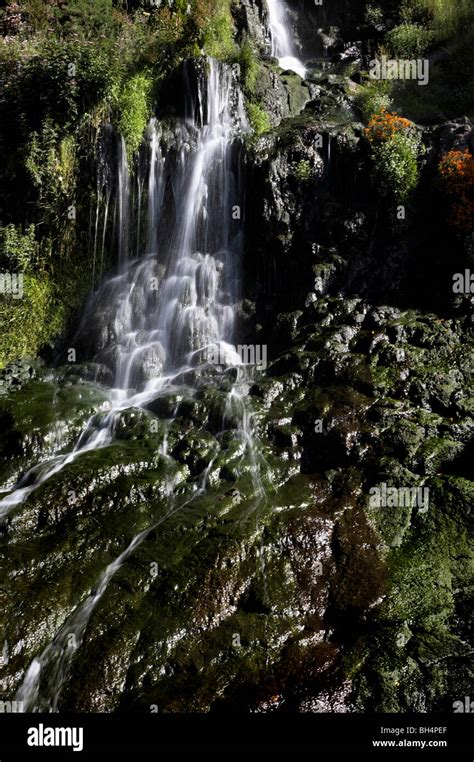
(104, 231)
(155, 321)
(283, 47)
(96, 233)
(123, 203)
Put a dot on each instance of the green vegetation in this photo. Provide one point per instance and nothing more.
(258, 118)
(396, 165)
(450, 91)
(249, 64)
(443, 28)
(373, 15)
(17, 248)
(214, 22)
(449, 17)
(29, 322)
(133, 110)
(373, 97)
(395, 149)
(408, 40)
(303, 171)
(415, 12)
(68, 66)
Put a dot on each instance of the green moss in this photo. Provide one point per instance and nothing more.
(303, 171)
(258, 118)
(435, 560)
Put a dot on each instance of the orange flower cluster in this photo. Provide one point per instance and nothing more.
(384, 125)
(456, 170)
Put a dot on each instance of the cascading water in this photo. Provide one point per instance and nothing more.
(160, 316)
(282, 44)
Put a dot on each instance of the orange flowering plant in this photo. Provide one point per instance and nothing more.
(385, 125)
(456, 170)
(395, 148)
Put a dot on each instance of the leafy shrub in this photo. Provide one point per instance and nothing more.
(132, 110)
(258, 117)
(408, 40)
(373, 15)
(373, 97)
(456, 171)
(167, 26)
(12, 19)
(89, 19)
(56, 80)
(395, 148)
(31, 321)
(51, 162)
(38, 15)
(396, 165)
(214, 25)
(17, 249)
(415, 12)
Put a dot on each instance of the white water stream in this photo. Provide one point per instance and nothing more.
(158, 316)
(283, 46)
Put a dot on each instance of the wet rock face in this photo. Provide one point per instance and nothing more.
(371, 378)
(251, 20)
(225, 590)
(456, 135)
(324, 28)
(320, 30)
(17, 374)
(383, 399)
(327, 227)
(281, 95)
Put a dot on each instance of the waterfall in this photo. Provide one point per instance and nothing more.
(281, 39)
(198, 292)
(156, 320)
(159, 316)
(164, 313)
(123, 201)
